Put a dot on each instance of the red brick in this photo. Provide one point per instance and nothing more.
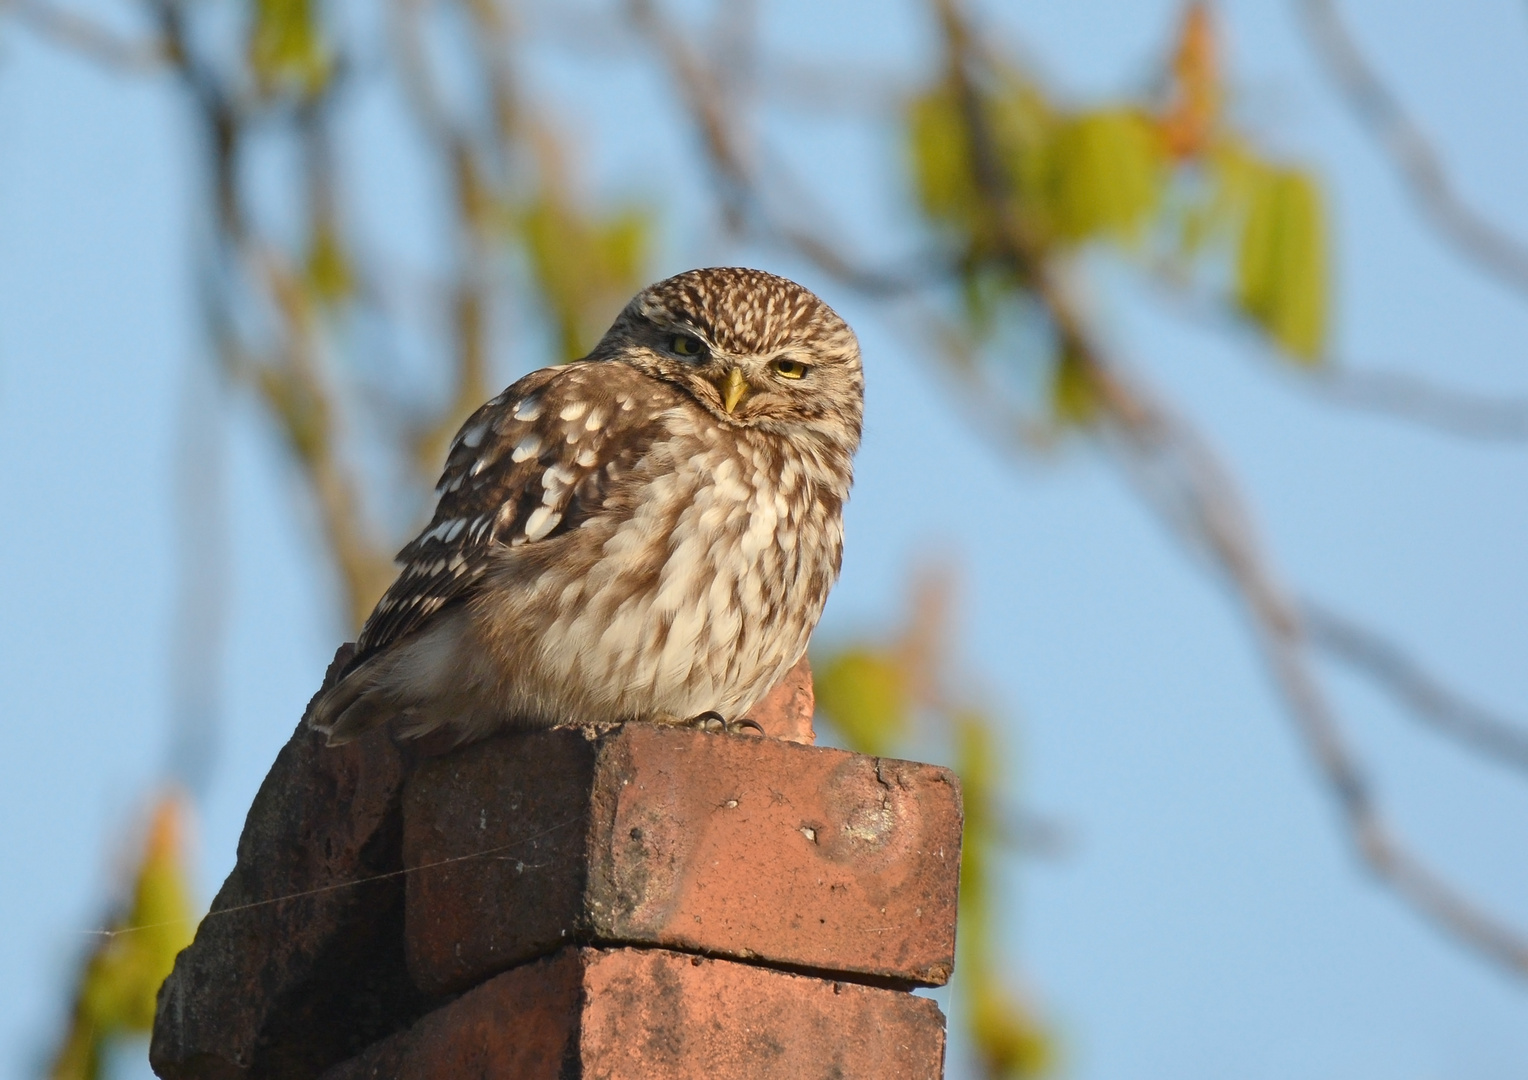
(615, 1014)
(729, 845)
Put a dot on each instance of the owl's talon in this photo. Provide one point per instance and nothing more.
(709, 721)
(715, 722)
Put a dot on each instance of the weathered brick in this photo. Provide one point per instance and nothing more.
(615, 1014)
(728, 845)
(283, 988)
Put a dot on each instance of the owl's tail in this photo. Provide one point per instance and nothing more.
(352, 706)
(416, 681)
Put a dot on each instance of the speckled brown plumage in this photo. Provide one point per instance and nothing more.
(647, 534)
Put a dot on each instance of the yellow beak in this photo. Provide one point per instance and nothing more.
(733, 389)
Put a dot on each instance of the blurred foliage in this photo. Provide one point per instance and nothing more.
(285, 46)
(586, 267)
(1008, 1039)
(115, 993)
(864, 692)
(330, 275)
(1161, 180)
(1105, 175)
(894, 695)
(1194, 94)
(1166, 184)
(1280, 265)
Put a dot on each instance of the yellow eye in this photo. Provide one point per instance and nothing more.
(685, 345)
(789, 369)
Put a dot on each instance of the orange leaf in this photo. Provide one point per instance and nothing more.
(1189, 120)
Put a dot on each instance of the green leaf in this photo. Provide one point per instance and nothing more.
(1020, 121)
(286, 47)
(1281, 274)
(124, 976)
(940, 153)
(585, 267)
(1108, 170)
(1005, 1034)
(120, 981)
(977, 759)
(1073, 399)
(329, 273)
(864, 694)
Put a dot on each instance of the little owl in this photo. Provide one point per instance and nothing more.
(647, 534)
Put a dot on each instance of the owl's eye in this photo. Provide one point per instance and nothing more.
(686, 345)
(788, 369)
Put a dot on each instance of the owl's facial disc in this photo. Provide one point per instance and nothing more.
(721, 372)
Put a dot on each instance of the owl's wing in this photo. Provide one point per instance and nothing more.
(532, 464)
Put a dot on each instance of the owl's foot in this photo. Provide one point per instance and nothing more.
(715, 721)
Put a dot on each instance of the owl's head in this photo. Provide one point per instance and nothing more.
(753, 349)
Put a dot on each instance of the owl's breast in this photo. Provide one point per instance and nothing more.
(704, 592)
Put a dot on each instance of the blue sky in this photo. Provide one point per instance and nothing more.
(1207, 920)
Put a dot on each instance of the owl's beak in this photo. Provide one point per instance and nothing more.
(733, 388)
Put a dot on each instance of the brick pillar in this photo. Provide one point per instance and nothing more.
(645, 902)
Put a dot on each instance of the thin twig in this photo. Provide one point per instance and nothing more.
(473, 161)
(287, 375)
(1394, 394)
(1424, 696)
(84, 35)
(1186, 481)
(1176, 473)
(1410, 149)
(1408, 398)
(743, 205)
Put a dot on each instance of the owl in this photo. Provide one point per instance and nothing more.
(648, 534)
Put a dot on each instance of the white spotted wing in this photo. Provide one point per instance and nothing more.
(529, 466)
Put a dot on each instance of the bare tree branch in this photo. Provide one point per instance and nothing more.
(297, 394)
(1407, 398)
(1195, 493)
(740, 194)
(1411, 151)
(1172, 466)
(1174, 470)
(81, 34)
(1393, 394)
(287, 375)
(1424, 695)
